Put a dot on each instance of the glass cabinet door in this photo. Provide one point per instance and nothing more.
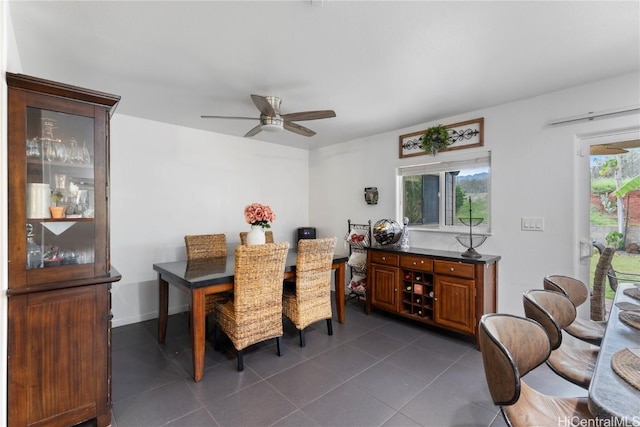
(60, 191)
(58, 164)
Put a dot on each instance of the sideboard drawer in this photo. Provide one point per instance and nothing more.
(452, 268)
(416, 263)
(384, 258)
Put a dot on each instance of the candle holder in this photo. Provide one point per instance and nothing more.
(471, 241)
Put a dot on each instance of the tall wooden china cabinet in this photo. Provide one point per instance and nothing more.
(59, 364)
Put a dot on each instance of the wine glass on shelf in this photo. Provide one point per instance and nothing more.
(48, 149)
(33, 148)
(86, 156)
(61, 153)
(73, 151)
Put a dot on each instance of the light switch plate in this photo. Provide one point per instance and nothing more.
(532, 223)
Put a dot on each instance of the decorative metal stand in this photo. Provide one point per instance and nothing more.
(358, 243)
(471, 241)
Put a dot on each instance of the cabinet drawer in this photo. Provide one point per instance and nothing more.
(452, 268)
(384, 258)
(416, 263)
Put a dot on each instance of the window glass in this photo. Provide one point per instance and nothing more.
(438, 195)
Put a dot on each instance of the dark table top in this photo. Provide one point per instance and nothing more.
(610, 395)
(212, 271)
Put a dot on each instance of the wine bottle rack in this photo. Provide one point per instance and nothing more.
(417, 293)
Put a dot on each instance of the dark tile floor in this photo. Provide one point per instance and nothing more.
(376, 370)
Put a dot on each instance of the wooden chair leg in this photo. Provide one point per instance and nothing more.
(279, 345)
(240, 361)
(302, 340)
(329, 327)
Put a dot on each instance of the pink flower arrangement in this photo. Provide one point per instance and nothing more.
(259, 214)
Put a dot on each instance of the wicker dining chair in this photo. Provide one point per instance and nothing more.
(307, 298)
(255, 312)
(512, 346)
(554, 312)
(268, 236)
(598, 304)
(206, 246)
(577, 291)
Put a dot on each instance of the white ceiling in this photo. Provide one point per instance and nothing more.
(381, 65)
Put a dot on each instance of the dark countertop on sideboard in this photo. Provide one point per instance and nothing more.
(438, 254)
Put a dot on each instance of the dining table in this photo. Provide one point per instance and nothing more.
(614, 396)
(199, 278)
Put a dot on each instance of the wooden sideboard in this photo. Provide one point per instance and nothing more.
(438, 288)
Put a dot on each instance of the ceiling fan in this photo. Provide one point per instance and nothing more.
(272, 120)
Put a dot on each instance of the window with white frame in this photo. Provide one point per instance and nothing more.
(436, 195)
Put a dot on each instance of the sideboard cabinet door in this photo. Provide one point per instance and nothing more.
(454, 303)
(384, 287)
(58, 344)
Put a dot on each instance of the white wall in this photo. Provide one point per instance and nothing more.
(169, 181)
(533, 170)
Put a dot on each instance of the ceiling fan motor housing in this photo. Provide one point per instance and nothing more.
(271, 123)
(275, 103)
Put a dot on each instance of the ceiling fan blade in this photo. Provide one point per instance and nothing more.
(296, 128)
(309, 115)
(229, 117)
(263, 105)
(253, 131)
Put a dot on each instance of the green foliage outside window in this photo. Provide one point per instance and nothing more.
(413, 198)
(461, 197)
(615, 239)
(479, 206)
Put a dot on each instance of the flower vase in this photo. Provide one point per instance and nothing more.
(256, 236)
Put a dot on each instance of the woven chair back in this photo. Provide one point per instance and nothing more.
(255, 314)
(201, 246)
(312, 300)
(258, 275)
(268, 236)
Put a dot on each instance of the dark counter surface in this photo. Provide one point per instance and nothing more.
(438, 254)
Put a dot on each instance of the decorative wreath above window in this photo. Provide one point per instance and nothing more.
(435, 138)
(461, 135)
